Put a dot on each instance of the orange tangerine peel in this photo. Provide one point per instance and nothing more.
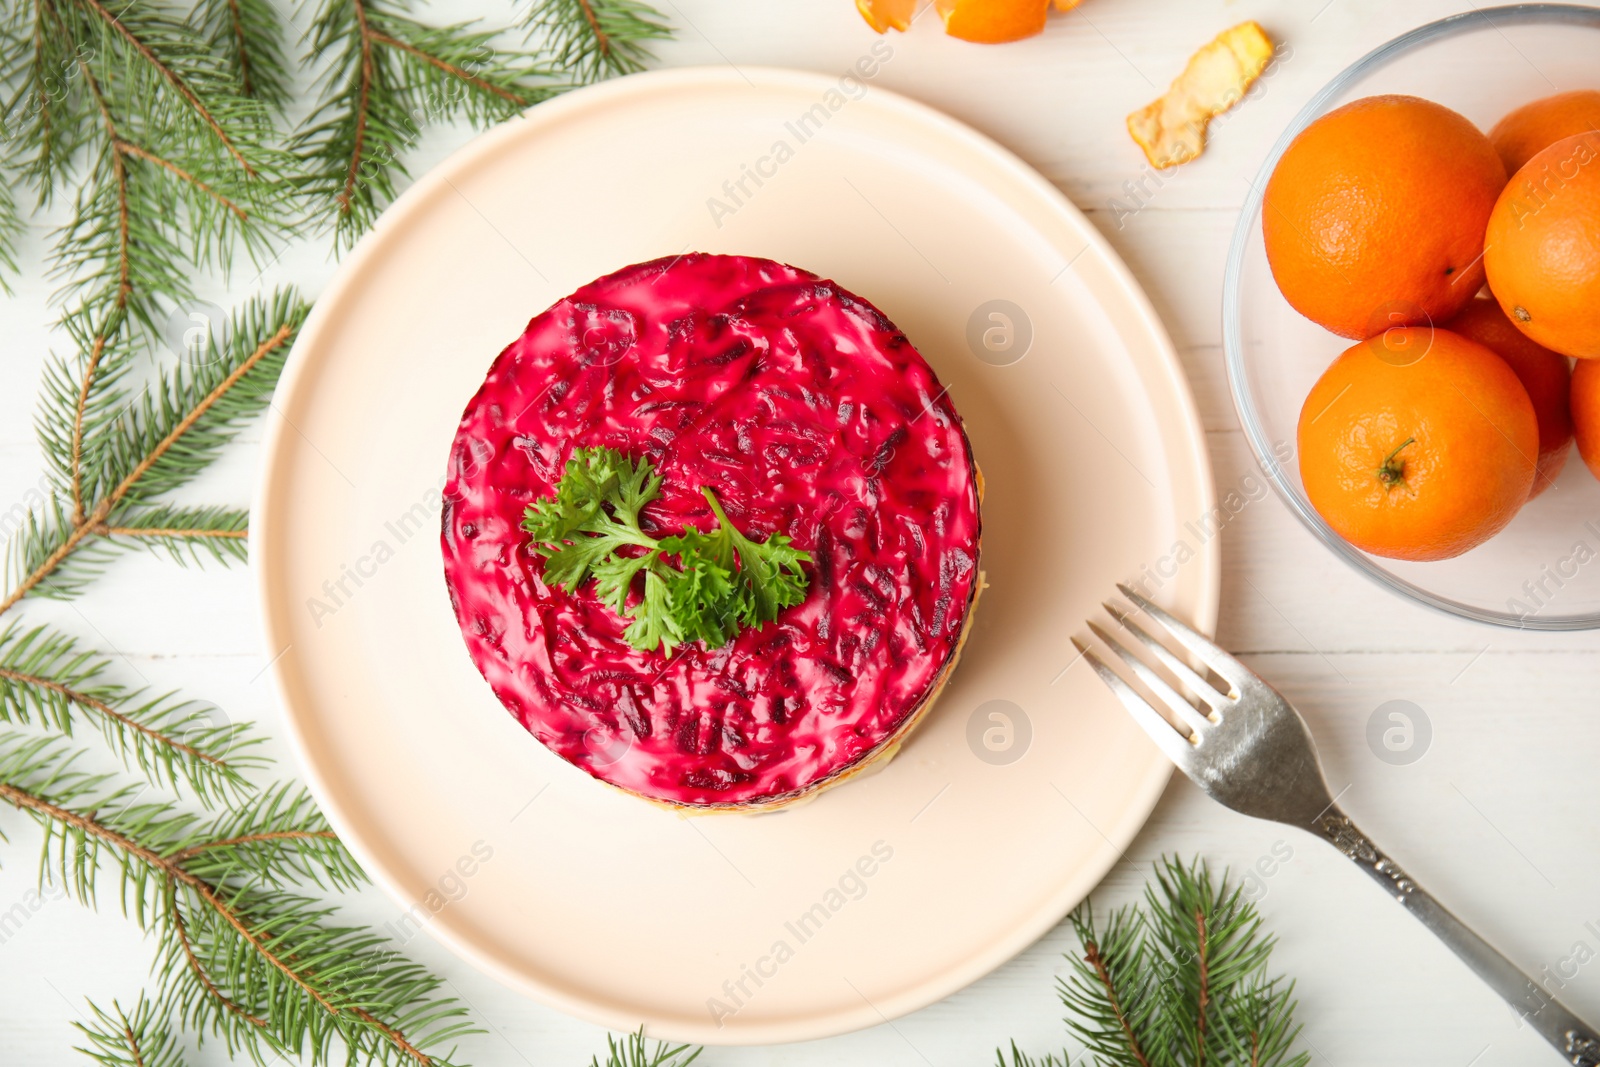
(993, 21)
(980, 21)
(884, 15)
(1172, 129)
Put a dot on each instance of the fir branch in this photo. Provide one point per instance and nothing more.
(148, 27)
(456, 61)
(241, 958)
(1214, 939)
(79, 396)
(144, 447)
(596, 39)
(12, 229)
(175, 428)
(276, 838)
(1180, 981)
(143, 1038)
(1268, 1009)
(48, 680)
(388, 76)
(249, 34)
(174, 179)
(1018, 1058)
(1109, 1008)
(49, 556)
(39, 110)
(181, 167)
(187, 534)
(89, 376)
(634, 1051)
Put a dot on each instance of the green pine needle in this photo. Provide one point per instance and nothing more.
(1180, 981)
(249, 35)
(35, 565)
(39, 112)
(596, 39)
(49, 680)
(1018, 1058)
(1109, 998)
(131, 111)
(242, 957)
(634, 1051)
(175, 427)
(113, 454)
(185, 534)
(82, 395)
(141, 1038)
(388, 76)
(12, 229)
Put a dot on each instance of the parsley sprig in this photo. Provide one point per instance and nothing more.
(722, 581)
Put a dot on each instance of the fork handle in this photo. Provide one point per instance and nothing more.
(1577, 1041)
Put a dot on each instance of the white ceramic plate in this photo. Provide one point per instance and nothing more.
(984, 831)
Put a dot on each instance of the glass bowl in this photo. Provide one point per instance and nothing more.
(1542, 572)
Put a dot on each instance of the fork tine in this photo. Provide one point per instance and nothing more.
(1201, 645)
(1195, 720)
(1177, 748)
(1186, 674)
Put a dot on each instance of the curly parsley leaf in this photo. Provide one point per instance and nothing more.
(698, 586)
(654, 623)
(613, 579)
(769, 577)
(591, 476)
(569, 564)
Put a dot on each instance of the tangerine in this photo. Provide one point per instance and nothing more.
(1546, 375)
(1374, 216)
(1534, 127)
(1417, 444)
(1542, 249)
(1586, 413)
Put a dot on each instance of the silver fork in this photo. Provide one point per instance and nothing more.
(1249, 749)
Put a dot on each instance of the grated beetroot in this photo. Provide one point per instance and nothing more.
(809, 414)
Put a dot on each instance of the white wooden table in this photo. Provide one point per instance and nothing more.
(1498, 816)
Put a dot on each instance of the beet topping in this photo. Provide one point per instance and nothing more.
(809, 414)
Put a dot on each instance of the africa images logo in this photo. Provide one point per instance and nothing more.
(852, 85)
(851, 885)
